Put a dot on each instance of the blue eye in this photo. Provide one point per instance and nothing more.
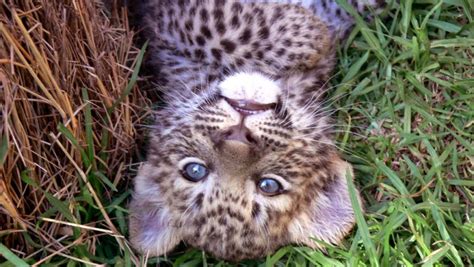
(269, 186)
(194, 172)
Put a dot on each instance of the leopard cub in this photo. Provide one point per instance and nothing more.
(240, 160)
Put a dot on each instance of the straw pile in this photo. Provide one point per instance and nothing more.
(70, 110)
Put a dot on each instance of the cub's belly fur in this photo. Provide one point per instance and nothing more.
(241, 161)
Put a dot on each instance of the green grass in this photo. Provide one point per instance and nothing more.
(404, 95)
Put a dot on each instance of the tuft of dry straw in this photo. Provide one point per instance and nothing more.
(63, 67)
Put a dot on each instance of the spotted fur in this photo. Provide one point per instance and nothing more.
(338, 21)
(198, 46)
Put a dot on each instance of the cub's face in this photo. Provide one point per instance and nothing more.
(240, 169)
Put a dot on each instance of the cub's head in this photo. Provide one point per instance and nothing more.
(239, 170)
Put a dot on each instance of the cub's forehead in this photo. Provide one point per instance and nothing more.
(251, 86)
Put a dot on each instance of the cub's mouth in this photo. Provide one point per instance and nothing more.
(246, 97)
(248, 106)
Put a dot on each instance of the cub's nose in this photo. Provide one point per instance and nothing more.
(239, 133)
(237, 149)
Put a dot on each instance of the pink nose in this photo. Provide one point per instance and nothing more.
(248, 107)
(239, 133)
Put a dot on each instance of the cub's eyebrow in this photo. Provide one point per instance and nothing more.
(183, 150)
(271, 172)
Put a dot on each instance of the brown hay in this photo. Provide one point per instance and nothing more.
(49, 52)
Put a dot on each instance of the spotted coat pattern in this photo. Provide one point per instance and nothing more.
(196, 44)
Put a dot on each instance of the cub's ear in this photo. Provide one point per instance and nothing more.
(330, 216)
(151, 231)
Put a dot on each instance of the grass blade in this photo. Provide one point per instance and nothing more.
(355, 68)
(88, 125)
(3, 148)
(361, 223)
(11, 257)
(132, 80)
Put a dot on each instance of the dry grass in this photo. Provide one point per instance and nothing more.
(68, 122)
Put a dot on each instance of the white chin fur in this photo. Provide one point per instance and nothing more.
(251, 86)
